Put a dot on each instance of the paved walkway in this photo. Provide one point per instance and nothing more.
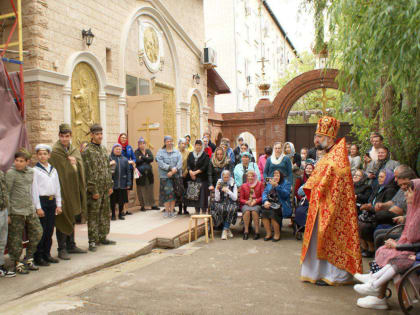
(137, 235)
(222, 277)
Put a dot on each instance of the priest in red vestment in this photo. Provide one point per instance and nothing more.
(331, 249)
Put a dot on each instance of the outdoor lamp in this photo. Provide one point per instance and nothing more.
(196, 78)
(88, 36)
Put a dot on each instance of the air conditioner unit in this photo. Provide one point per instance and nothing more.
(209, 58)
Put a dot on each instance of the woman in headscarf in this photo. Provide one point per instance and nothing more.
(384, 162)
(289, 150)
(197, 164)
(182, 147)
(367, 220)
(170, 165)
(250, 200)
(278, 161)
(218, 163)
(276, 205)
(207, 148)
(391, 257)
(144, 159)
(300, 181)
(128, 152)
(225, 144)
(225, 207)
(362, 189)
(242, 168)
(189, 146)
(121, 178)
(303, 204)
(262, 160)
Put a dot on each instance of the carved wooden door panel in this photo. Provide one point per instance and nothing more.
(169, 108)
(145, 119)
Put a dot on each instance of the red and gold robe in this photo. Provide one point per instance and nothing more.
(330, 191)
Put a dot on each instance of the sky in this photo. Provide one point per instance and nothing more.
(296, 21)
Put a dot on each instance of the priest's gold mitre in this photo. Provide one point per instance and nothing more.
(328, 126)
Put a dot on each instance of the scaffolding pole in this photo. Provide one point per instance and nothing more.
(17, 14)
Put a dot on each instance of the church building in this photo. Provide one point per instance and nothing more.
(92, 61)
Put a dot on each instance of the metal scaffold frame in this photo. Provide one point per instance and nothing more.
(17, 14)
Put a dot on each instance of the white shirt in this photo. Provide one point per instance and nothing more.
(232, 194)
(46, 183)
(373, 153)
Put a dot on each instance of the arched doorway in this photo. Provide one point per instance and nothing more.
(301, 85)
(268, 121)
(249, 139)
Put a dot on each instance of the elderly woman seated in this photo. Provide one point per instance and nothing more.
(225, 207)
(392, 258)
(368, 218)
(250, 199)
(362, 189)
(276, 205)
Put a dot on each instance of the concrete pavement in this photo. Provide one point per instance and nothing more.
(135, 236)
(229, 277)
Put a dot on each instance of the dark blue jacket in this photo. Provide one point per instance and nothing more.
(121, 174)
(128, 152)
(283, 191)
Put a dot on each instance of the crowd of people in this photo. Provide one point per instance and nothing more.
(67, 182)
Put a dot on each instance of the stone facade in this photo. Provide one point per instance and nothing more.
(52, 33)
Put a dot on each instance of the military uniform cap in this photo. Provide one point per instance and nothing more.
(64, 128)
(95, 128)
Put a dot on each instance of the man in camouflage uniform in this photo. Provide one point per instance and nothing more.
(99, 186)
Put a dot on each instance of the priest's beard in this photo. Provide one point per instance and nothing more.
(323, 145)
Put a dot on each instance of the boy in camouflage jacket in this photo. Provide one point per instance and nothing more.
(22, 199)
(99, 187)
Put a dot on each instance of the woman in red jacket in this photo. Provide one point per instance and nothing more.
(250, 199)
(302, 180)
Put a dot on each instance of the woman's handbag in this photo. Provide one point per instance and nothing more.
(178, 186)
(136, 173)
(193, 190)
(367, 217)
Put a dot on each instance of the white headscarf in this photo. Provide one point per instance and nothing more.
(292, 149)
(274, 159)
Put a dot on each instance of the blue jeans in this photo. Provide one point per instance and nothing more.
(3, 234)
(226, 225)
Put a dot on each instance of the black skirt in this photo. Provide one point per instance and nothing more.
(271, 213)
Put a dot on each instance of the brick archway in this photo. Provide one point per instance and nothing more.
(268, 122)
(300, 85)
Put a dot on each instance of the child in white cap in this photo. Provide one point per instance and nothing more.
(49, 201)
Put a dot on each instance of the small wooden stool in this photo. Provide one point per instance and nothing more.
(206, 218)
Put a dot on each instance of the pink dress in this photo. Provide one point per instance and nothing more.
(411, 234)
(261, 164)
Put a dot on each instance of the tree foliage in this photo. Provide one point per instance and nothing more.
(377, 44)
